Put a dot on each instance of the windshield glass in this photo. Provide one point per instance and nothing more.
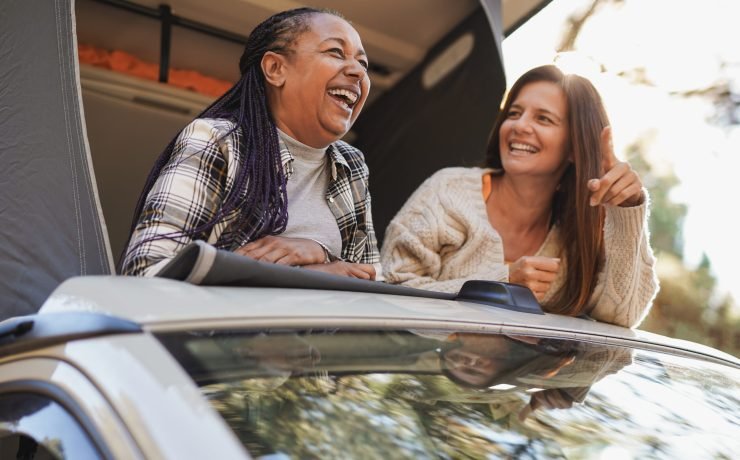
(447, 394)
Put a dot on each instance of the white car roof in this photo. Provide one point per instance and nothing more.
(160, 305)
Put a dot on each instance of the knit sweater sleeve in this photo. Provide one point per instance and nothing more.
(627, 283)
(423, 246)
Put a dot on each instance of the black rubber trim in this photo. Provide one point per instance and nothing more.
(165, 42)
(231, 269)
(24, 333)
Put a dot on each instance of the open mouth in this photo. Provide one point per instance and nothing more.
(522, 148)
(346, 97)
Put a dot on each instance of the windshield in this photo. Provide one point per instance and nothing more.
(447, 394)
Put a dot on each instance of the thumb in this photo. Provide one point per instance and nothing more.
(549, 264)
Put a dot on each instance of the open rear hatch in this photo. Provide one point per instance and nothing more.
(437, 78)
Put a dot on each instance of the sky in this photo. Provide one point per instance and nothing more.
(683, 45)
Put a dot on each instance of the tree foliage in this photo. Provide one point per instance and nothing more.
(688, 305)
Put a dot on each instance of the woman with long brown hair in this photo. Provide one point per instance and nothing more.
(553, 210)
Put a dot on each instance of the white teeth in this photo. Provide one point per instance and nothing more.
(525, 147)
(351, 96)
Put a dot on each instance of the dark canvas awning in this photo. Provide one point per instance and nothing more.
(50, 223)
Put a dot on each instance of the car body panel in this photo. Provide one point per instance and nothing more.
(168, 415)
(129, 380)
(154, 397)
(160, 305)
(47, 370)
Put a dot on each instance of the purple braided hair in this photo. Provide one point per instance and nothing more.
(259, 188)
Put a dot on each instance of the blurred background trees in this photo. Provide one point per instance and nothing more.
(673, 87)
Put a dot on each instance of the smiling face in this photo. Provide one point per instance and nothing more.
(471, 368)
(478, 359)
(533, 138)
(317, 90)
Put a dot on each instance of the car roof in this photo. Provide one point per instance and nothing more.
(163, 305)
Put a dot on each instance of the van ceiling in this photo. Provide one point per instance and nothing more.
(395, 42)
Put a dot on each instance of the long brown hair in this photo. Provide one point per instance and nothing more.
(581, 225)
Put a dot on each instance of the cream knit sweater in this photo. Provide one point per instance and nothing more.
(442, 238)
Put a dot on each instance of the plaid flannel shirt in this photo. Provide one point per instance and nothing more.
(201, 173)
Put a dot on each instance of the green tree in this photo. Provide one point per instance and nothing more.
(688, 305)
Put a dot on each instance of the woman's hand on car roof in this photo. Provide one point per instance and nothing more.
(284, 251)
(340, 267)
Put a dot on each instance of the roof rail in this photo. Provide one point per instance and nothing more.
(24, 333)
(201, 263)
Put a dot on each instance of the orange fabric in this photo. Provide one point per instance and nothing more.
(487, 189)
(486, 186)
(120, 61)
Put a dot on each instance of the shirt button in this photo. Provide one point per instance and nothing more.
(331, 199)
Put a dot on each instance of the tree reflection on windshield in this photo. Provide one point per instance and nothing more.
(442, 394)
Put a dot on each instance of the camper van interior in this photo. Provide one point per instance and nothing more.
(148, 68)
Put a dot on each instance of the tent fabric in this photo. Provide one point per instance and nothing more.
(492, 9)
(412, 131)
(51, 227)
(203, 264)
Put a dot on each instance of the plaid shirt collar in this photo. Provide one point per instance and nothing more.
(337, 160)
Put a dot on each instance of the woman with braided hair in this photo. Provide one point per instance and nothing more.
(262, 171)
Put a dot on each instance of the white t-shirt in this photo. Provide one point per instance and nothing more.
(309, 215)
